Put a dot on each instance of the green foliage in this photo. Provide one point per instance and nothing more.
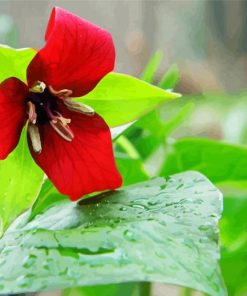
(13, 62)
(150, 132)
(152, 66)
(160, 230)
(128, 289)
(170, 78)
(220, 162)
(120, 98)
(234, 244)
(21, 181)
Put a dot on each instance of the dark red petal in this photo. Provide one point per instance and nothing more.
(84, 165)
(12, 114)
(76, 56)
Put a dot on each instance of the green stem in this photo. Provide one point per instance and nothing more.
(128, 147)
(186, 292)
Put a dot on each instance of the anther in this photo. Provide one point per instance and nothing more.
(79, 107)
(38, 87)
(63, 130)
(33, 132)
(61, 94)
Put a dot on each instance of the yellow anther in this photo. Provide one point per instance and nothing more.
(38, 87)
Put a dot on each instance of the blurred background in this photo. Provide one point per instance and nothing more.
(207, 39)
(204, 44)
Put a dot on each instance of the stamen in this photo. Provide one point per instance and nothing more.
(63, 130)
(38, 87)
(33, 131)
(79, 107)
(31, 111)
(63, 120)
(61, 94)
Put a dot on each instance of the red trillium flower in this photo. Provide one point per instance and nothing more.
(67, 139)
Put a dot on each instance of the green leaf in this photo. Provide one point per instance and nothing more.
(220, 162)
(152, 67)
(147, 134)
(178, 118)
(14, 62)
(170, 78)
(131, 170)
(43, 200)
(160, 230)
(120, 98)
(21, 180)
(128, 289)
(234, 244)
(150, 132)
(129, 163)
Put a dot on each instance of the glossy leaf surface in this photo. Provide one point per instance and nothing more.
(120, 98)
(160, 230)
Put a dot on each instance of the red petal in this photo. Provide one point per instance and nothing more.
(76, 56)
(84, 165)
(12, 113)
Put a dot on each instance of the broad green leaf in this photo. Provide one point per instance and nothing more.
(119, 130)
(160, 230)
(152, 66)
(234, 245)
(128, 289)
(14, 62)
(170, 78)
(220, 162)
(21, 180)
(120, 98)
(43, 200)
(131, 170)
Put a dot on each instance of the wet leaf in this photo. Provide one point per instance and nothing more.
(159, 230)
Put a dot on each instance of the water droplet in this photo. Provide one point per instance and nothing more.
(138, 206)
(29, 261)
(152, 203)
(205, 227)
(162, 187)
(129, 235)
(179, 186)
(123, 209)
(25, 281)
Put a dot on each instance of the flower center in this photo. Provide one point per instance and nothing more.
(42, 108)
(45, 106)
